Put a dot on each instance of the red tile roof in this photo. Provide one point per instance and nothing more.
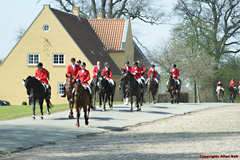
(110, 31)
(86, 39)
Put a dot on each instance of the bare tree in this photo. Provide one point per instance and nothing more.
(148, 11)
(215, 24)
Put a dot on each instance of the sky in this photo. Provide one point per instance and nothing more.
(19, 14)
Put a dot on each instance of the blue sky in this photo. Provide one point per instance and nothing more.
(16, 14)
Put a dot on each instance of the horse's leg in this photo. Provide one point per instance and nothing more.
(34, 103)
(94, 99)
(78, 108)
(171, 94)
(71, 110)
(85, 115)
(104, 102)
(41, 107)
(131, 102)
(112, 97)
(149, 96)
(48, 106)
(100, 99)
(138, 103)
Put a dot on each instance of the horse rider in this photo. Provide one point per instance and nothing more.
(233, 84)
(107, 74)
(126, 67)
(153, 70)
(143, 70)
(219, 84)
(83, 76)
(42, 75)
(72, 70)
(79, 63)
(95, 70)
(136, 72)
(175, 73)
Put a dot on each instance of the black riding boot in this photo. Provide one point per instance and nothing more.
(73, 97)
(157, 85)
(64, 92)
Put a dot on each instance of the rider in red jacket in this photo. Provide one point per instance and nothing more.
(219, 84)
(136, 72)
(42, 75)
(127, 67)
(152, 70)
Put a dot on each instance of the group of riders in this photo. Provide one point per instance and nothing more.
(231, 84)
(79, 73)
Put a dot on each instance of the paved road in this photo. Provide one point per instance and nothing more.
(23, 133)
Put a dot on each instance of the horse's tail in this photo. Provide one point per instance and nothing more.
(49, 103)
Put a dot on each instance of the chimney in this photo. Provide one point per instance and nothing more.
(76, 11)
(46, 6)
(99, 16)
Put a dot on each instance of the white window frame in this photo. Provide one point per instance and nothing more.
(60, 90)
(58, 64)
(34, 63)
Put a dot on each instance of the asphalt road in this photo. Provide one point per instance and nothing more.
(24, 133)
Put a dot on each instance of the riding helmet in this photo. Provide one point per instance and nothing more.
(83, 64)
(106, 64)
(174, 65)
(127, 62)
(73, 59)
(39, 64)
(153, 65)
(79, 61)
(135, 63)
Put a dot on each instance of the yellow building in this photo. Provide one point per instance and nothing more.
(54, 38)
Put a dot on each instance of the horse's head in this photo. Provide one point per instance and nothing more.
(69, 84)
(28, 83)
(101, 82)
(126, 76)
(123, 71)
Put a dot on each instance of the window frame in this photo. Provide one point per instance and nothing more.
(58, 64)
(60, 90)
(34, 63)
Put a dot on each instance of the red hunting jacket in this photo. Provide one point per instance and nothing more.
(129, 68)
(143, 70)
(73, 72)
(42, 74)
(154, 73)
(107, 73)
(136, 71)
(219, 84)
(95, 71)
(232, 83)
(175, 73)
(83, 76)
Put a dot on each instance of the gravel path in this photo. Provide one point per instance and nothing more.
(209, 132)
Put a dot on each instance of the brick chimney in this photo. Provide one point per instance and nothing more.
(76, 11)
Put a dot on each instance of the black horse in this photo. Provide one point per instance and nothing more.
(124, 87)
(36, 91)
(106, 91)
(94, 85)
(134, 89)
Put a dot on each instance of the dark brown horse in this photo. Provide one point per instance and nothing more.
(68, 91)
(124, 88)
(174, 89)
(81, 99)
(152, 88)
(36, 91)
(232, 93)
(134, 89)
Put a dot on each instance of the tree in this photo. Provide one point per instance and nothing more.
(148, 11)
(214, 24)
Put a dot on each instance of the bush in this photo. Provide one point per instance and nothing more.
(165, 97)
(24, 103)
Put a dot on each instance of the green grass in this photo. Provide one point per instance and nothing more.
(18, 111)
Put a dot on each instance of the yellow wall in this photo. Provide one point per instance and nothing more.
(119, 57)
(15, 68)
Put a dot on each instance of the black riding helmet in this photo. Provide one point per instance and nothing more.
(73, 59)
(135, 63)
(127, 62)
(39, 64)
(153, 65)
(106, 64)
(174, 65)
(83, 64)
(79, 61)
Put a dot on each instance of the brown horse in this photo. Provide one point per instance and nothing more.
(81, 99)
(232, 94)
(174, 89)
(68, 91)
(220, 94)
(152, 88)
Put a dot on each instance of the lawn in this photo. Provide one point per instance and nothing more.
(17, 111)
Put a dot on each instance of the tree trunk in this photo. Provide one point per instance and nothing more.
(195, 92)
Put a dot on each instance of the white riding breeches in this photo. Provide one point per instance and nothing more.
(139, 80)
(111, 81)
(178, 82)
(88, 87)
(155, 79)
(64, 83)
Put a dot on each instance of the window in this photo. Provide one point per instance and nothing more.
(46, 28)
(58, 59)
(60, 88)
(33, 59)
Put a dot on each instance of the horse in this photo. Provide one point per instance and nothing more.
(232, 93)
(174, 89)
(134, 89)
(81, 100)
(68, 91)
(37, 91)
(94, 85)
(152, 88)
(106, 91)
(124, 88)
(220, 94)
